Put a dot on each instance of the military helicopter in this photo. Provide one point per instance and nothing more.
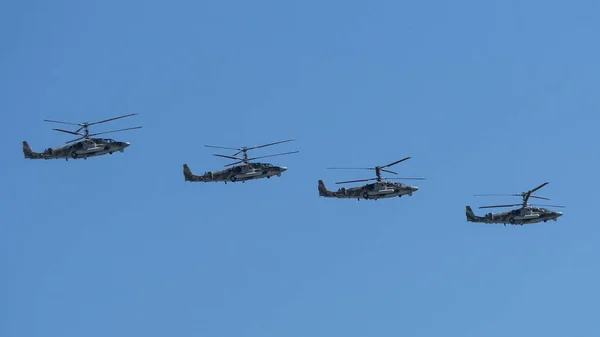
(527, 214)
(243, 172)
(83, 147)
(378, 190)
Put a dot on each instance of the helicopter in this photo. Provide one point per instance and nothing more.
(83, 147)
(527, 214)
(243, 172)
(378, 190)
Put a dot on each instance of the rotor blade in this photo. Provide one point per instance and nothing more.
(388, 171)
(273, 155)
(396, 162)
(111, 119)
(547, 205)
(221, 147)
(350, 168)
(101, 133)
(47, 120)
(257, 147)
(67, 131)
(497, 195)
(500, 206)
(534, 196)
(229, 157)
(404, 179)
(355, 181)
(537, 188)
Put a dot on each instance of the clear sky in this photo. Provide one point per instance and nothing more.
(486, 96)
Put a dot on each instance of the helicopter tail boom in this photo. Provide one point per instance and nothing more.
(471, 216)
(29, 153)
(189, 176)
(323, 191)
(187, 173)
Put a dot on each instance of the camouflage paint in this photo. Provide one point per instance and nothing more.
(93, 147)
(237, 173)
(368, 191)
(520, 216)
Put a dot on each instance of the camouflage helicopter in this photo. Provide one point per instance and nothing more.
(378, 190)
(527, 214)
(243, 172)
(83, 147)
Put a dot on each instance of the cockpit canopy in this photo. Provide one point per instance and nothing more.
(261, 165)
(103, 140)
(539, 210)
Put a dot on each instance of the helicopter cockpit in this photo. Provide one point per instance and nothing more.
(538, 210)
(261, 165)
(103, 140)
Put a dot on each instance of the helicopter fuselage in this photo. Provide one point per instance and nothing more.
(374, 191)
(251, 171)
(520, 216)
(84, 149)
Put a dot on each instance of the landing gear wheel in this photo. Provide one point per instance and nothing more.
(512, 221)
(110, 152)
(366, 195)
(232, 179)
(74, 155)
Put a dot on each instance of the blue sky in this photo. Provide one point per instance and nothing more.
(486, 96)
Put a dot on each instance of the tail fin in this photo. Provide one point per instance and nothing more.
(470, 215)
(322, 189)
(27, 151)
(187, 173)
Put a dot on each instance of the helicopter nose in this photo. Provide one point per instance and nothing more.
(282, 168)
(558, 214)
(414, 188)
(126, 144)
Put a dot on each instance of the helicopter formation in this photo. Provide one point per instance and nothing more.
(244, 168)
